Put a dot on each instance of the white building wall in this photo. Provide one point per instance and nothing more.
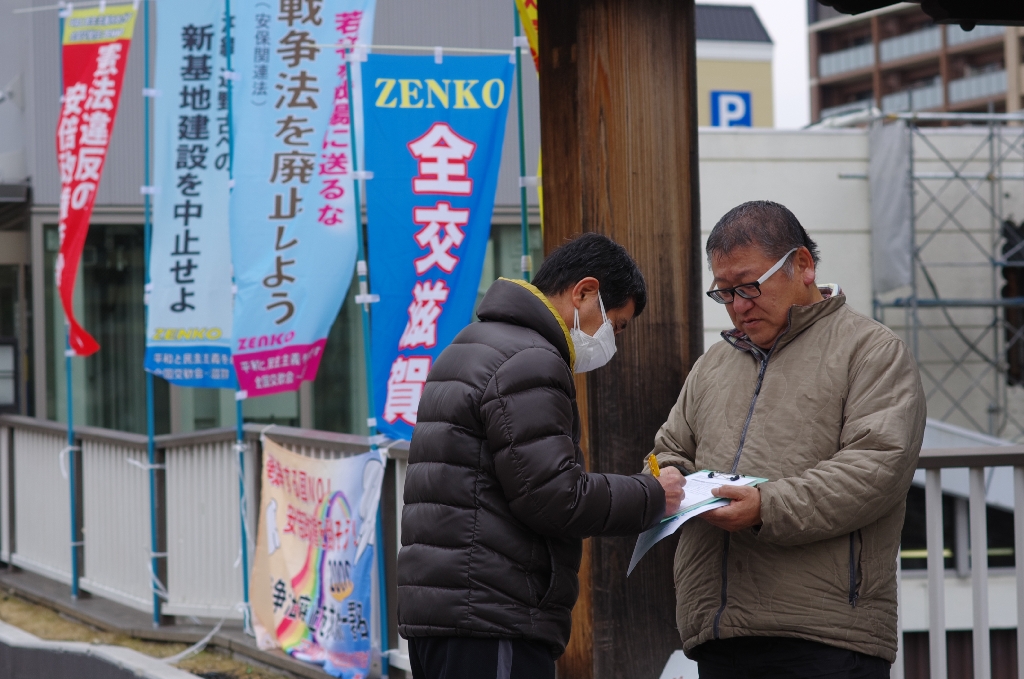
(955, 233)
(800, 169)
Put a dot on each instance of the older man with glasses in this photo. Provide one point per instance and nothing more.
(797, 577)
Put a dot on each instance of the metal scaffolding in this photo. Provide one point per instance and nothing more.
(963, 315)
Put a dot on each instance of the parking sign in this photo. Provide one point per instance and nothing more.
(730, 109)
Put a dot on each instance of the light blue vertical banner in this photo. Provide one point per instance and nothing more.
(188, 334)
(294, 225)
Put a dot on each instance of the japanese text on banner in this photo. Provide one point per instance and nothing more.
(94, 57)
(293, 220)
(188, 334)
(434, 136)
(313, 575)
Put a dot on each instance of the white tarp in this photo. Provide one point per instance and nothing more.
(891, 206)
(956, 481)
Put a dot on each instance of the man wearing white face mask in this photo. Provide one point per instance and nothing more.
(592, 351)
(497, 499)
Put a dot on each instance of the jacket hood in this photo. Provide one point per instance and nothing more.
(800, 318)
(519, 303)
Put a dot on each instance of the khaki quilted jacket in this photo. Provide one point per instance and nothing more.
(833, 415)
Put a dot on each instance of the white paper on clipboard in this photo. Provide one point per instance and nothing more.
(697, 500)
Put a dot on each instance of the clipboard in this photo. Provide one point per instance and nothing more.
(696, 501)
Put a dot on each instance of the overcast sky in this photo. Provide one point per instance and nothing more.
(786, 21)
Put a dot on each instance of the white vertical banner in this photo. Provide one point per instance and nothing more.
(188, 335)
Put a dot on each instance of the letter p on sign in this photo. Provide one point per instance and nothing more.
(730, 109)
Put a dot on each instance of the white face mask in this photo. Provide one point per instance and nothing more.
(592, 352)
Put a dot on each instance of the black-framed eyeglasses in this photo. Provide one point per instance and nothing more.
(747, 290)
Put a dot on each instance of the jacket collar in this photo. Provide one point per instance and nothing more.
(800, 318)
(519, 303)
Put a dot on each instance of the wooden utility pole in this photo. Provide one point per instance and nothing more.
(619, 142)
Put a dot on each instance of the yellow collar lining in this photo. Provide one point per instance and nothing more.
(558, 317)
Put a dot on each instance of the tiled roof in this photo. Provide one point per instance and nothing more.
(730, 22)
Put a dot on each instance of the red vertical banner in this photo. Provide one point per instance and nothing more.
(94, 53)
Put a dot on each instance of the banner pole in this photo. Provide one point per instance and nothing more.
(371, 421)
(73, 495)
(239, 422)
(75, 543)
(527, 263)
(154, 546)
(242, 511)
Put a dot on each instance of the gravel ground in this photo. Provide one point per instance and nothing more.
(46, 623)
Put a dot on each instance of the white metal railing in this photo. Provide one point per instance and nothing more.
(115, 523)
(909, 44)
(850, 59)
(933, 461)
(41, 525)
(958, 36)
(400, 659)
(917, 99)
(201, 518)
(897, 101)
(5, 491)
(204, 576)
(199, 511)
(977, 86)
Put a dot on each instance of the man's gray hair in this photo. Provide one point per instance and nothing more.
(769, 226)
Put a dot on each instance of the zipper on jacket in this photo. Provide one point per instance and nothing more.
(725, 584)
(735, 464)
(750, 411)
(854, 562)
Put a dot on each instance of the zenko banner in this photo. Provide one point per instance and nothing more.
(434, 135)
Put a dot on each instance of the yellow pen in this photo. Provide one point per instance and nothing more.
(652, 462)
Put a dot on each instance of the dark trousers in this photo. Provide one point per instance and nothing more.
(784, 658)
(467, 658)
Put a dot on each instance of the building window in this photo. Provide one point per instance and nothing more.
(16, 336)
(339, 391)
(109, 386)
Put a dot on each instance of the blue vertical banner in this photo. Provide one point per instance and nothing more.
(293, 220)
(188, 334)
(434, 134)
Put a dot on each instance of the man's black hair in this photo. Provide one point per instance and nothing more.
(770, 226)
(599, 256)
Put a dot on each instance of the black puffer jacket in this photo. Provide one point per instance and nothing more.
(497, 500)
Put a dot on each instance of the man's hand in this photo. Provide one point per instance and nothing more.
(672, 481)
(743, 512)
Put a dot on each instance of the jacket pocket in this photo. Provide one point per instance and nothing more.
(856, 574)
